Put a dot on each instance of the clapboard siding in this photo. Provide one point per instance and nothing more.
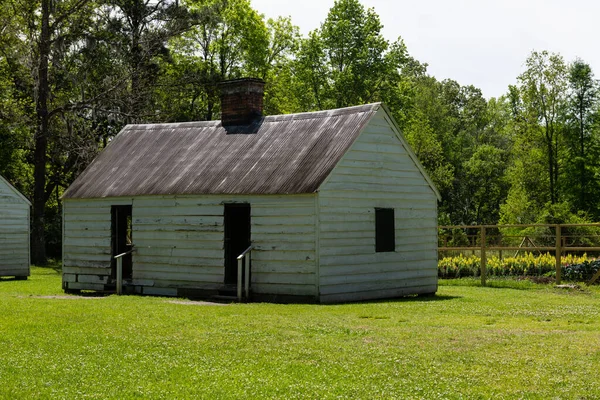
(86, 242)
(14, 231)
(377, 171)
(179, 242)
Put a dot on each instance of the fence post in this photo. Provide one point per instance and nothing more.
(558, 254)
(483, 258)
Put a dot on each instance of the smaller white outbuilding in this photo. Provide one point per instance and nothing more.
(14, 231)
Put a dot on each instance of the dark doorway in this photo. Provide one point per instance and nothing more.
(237, 237)
(121, 235)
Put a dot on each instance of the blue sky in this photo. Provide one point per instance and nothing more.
(479, 42)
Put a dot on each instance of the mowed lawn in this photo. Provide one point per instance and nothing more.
(525, 341)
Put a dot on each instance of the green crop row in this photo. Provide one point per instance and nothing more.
(573, 267)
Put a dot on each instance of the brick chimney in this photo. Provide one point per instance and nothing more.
(241, 101)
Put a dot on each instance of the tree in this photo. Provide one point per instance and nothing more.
(43, 32)
(348, 61)
(429, 151)
(543, 88)
(284, 42)
(67, 101)
(486, 183)
(583, 146)
(228, 40)
(142, 29)
(15, 105)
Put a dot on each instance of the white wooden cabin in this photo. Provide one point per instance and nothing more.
(335, 204)
(14, 232)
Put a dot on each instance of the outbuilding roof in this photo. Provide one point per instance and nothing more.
(286, 154)
(16, 192)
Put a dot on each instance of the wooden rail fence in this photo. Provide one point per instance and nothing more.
(556, 238)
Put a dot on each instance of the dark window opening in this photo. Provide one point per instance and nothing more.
(385, 232)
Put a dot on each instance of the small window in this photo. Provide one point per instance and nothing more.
(385, 232)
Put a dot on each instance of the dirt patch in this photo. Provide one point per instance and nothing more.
(59, 297)
(196, 303)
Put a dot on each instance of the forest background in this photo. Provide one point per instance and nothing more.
(74, 72)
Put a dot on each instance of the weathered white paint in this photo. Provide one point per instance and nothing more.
(318, 245)
(179, 242)
(377, 171)
(14, 231)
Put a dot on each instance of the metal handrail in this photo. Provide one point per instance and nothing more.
(245, 251)
(245, 254)
(119, 259)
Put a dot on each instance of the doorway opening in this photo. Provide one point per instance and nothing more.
(121, 239)
(237, 238)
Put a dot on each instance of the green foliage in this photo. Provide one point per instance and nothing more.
(581, 271)
(348, 61)
(543, 89)
(486, 183)
(429, 150)
(583, 146)
(517, 208)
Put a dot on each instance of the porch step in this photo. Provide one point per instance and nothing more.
(228, 290)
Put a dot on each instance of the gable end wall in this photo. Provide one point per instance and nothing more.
(377, 171)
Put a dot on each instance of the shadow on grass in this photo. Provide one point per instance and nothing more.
(417, 299)
(516, 283)
(409, 299)
(12, 278)
(54, 265)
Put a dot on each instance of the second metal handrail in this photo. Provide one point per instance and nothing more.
(119, 258)
(240, 259)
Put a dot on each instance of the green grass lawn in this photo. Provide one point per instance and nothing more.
(517, 341)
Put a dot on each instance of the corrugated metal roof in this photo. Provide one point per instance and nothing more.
(284, 154)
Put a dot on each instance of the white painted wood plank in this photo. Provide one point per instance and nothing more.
(288, 267)
(331, 202)
(373, 286)
(378, 294)
(367, 259)
(88, 269)
(277, 255)
(198, 277)
(283, 289)
(370, 277)
(158, 266)
(280, 278)
(168, 263)
(379, 267)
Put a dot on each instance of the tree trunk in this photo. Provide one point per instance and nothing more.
(582, 160)
(38, 242)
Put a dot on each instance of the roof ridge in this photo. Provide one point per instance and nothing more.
(268, 118)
